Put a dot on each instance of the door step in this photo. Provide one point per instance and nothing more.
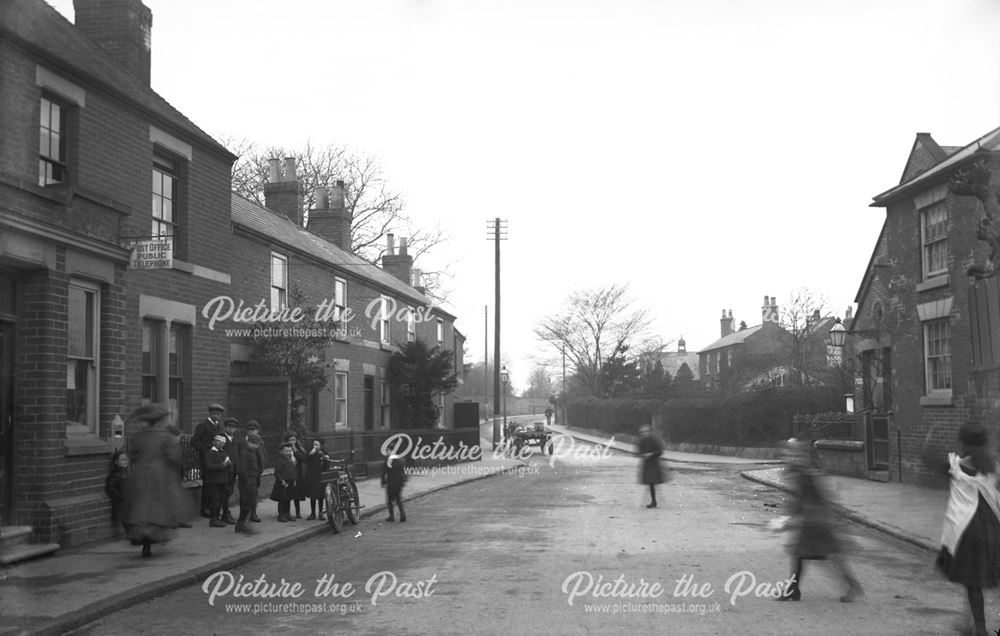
(16, 546)
(878, 475)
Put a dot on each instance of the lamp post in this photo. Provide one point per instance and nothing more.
(504, 376)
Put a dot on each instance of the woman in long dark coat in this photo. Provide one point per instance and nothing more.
(154, 502)
(650, 471)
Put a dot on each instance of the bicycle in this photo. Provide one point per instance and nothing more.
(340, 492)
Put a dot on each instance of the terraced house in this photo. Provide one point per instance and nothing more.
(118, 227)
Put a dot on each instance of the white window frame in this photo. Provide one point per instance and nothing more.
(340, 302)
(89, 358)
(440, 422)
(384, 327)
(929, 374)
(386, 406)
(411, 325)
(52, 168)
(340, 398)
(279, 289)
(440, 331)
(164, 206)
(936, 244)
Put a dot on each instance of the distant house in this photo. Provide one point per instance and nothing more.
(925, 342)
(767, 355)
(738, 356)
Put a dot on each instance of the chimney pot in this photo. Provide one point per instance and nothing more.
(273, 170)
(390, 244)
(402, 246)
(290, 169)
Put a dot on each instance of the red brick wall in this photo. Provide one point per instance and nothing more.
(894, 287)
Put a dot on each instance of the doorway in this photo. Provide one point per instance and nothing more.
(6, 422)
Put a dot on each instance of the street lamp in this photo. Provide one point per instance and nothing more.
(838, 334)
(504, 376)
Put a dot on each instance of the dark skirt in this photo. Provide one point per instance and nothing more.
(976, 562)
(248, 492)
(281, 494)
(815, 541)
(650, 471)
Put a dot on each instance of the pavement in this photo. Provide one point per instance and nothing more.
(62, 592)
(73, 587)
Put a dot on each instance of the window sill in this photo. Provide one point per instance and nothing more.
(81, 441)
(936, 400)
(934, 283)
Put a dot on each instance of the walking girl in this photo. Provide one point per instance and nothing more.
(970, 541)
(812, 518)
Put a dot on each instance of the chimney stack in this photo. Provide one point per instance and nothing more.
(399, 265)
(330, 217)
(418, 281)
(122, 28)
(726, 323)
(769, 310)
(281, 193)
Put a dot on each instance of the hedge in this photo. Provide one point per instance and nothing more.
(741, 419)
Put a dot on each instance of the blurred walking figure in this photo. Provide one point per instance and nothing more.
(154, 502)
(312, 486)
(812, 518)
(970, 541)
(650, 471)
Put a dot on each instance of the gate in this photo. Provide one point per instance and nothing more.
(877, 441)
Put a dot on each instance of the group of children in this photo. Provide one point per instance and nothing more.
(297, 477)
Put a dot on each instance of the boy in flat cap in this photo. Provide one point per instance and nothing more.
(231, 425)
(253, 428)
(201, 442)
(215, 478)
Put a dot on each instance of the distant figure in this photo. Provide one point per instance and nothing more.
(650, 448)
(970, 541)
(812, 517)
(393, 478)
(548, 416)
(154, 502)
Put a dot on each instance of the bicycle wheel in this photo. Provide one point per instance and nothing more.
(352, 504)
(333, 515)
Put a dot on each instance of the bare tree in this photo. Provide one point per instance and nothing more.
(376, 208)
(598, 326)
(539, 384)
(807, 359)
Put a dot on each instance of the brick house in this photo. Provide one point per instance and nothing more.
(739, 355)
(925, 341)
(86, 339)
(273, 254)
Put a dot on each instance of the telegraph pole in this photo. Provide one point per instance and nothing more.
(498, 227)
(486, 352)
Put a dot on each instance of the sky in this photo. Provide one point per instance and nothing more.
(706, 153)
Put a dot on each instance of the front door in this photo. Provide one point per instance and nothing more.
(6, 421)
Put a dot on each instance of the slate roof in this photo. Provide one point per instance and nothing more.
(280, 229)
(988, 142)
(60, 45)
(672, 361)
(737, 337)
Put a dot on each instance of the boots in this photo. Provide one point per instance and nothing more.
(853, 592)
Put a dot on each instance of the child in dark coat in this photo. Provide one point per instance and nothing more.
(312, 486)
(393, 478)
(248, 471)
(285, 474)
(114, 486)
